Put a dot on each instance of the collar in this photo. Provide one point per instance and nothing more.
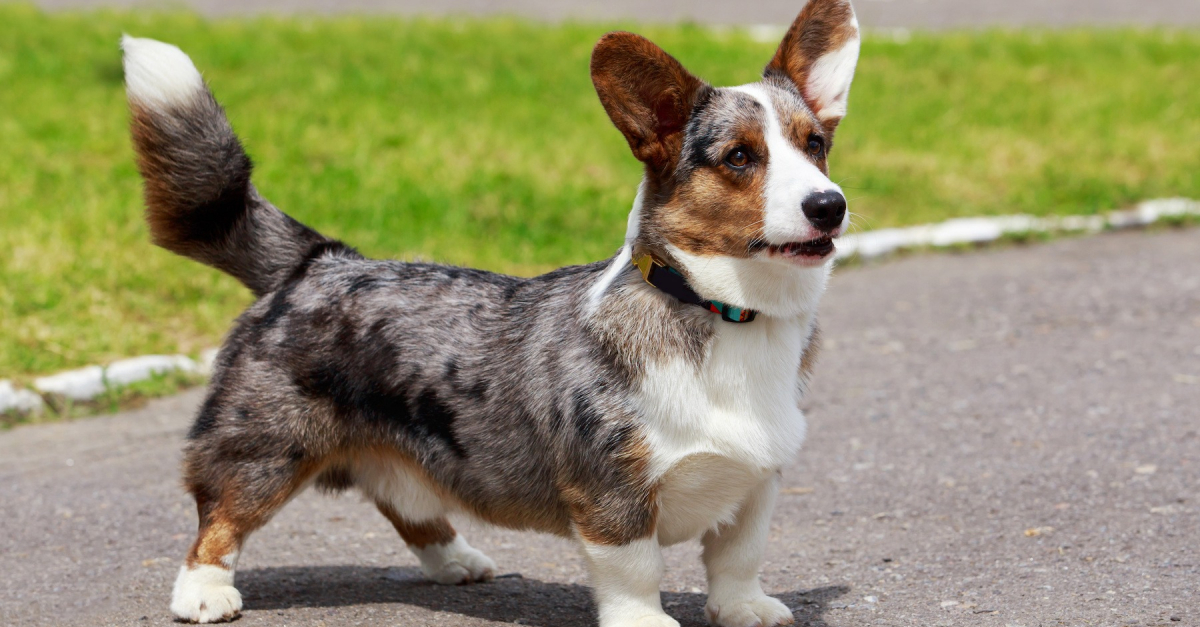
(670, 281)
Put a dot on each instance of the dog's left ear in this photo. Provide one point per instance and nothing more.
(818, 54)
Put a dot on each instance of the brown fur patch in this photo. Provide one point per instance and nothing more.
(715, 212)
(158, 195)
(218, 538)
(706, 207)
(231, 506)
(216, 190)
(808, 362)
(798, 127)
(647, 94)
(419, 534)
(622, 512)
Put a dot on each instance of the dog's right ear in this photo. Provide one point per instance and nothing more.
(647, 94)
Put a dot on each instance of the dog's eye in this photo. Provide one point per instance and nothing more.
(737, 158)
(816, 146)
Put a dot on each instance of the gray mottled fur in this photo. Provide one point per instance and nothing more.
(502, 389)
(493, 384)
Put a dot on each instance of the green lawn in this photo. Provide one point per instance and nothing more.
(482, 143)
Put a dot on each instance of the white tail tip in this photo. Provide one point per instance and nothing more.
(158, 75)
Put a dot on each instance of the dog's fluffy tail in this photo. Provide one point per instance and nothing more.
(199, 199)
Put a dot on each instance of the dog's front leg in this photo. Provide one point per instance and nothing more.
(625, 579)
(732, 556)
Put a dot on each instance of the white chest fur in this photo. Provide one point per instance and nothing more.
(717, 430)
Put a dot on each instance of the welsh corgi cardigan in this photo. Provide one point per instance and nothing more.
(629, 404)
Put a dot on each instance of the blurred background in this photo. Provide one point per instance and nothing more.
(468, 132)
(871, 13)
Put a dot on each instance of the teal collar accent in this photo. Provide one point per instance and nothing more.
(670, 281)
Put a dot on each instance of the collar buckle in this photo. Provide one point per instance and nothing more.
(645, 263)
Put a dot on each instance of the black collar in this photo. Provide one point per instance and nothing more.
(670, 281)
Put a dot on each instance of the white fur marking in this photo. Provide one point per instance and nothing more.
(205, 594)
(623, 259)
(597, 290)
(771, 287)
(828, 83)
(625, 580)
(724, 425)
(230, 560)
(699, 493)
(384, 479)
(633, 223)
(791, 178)
(454, 563)
(159, 75)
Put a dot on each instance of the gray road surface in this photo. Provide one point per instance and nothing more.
(873, 13)
(1004, 438)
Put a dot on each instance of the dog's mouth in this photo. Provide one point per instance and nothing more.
(813, 249)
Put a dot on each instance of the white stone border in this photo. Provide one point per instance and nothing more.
(881, 242)
(88, 383)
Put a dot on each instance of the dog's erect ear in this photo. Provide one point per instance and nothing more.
(647, 94)
(818, 54)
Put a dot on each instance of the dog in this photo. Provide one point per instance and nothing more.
(629, 404)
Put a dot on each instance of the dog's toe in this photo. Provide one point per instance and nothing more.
(762, 611)
(456, 563)
(653, 620)
(205, 595)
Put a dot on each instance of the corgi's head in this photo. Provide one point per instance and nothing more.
(737, 192)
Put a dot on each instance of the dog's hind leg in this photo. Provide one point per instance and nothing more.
(233, 499)
(445, 557)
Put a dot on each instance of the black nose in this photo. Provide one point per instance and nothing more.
(825, 210)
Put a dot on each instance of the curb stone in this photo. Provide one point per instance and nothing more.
(871, 244)
(89, 382)
(128, 371)
(20, 401)
(77, 385)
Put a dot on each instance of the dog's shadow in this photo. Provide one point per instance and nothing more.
(508, 599)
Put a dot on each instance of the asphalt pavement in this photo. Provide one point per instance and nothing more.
(1007, 437)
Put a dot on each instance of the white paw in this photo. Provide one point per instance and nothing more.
(653, 620)
(205, 594)
(455, 563)
(758, 611)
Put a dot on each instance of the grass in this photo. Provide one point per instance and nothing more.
(482, 143)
